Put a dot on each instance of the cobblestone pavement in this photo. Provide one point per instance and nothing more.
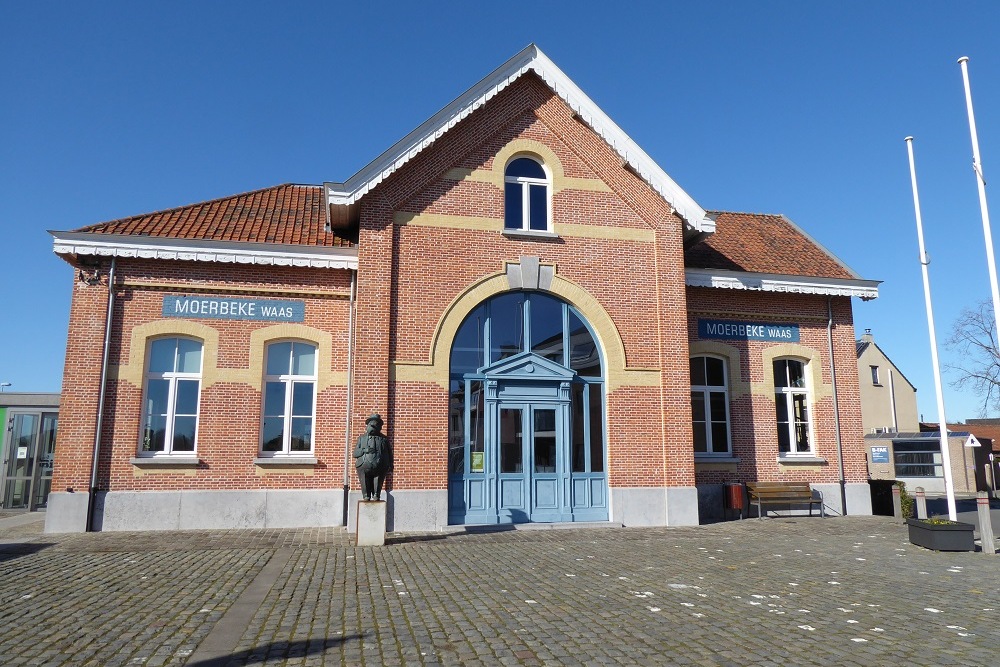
(838, 591)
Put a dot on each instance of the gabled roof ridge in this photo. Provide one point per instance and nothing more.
(532, 59)
(208, 202)
(768, 215)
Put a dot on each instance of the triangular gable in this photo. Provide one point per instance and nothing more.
(530, 59)
(528, 364)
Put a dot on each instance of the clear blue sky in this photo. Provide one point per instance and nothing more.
(797, 108)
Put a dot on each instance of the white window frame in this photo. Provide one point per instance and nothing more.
(289, 380)
(788, 394)
(875, 376)
(706, 392)
(172, 377)
(525, 184)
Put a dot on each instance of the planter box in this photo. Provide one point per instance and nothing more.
(942, 537)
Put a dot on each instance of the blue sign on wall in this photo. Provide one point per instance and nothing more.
(260, 310)
(880, 454)
(736, 330)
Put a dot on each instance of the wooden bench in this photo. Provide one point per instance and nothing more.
(784, 493)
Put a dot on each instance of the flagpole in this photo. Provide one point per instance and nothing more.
(977, 166)
(949, 486)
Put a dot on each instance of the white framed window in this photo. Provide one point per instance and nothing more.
(289, 412)
(710, 406)
(875, 379)
(171, 396)
(526, 196)
(791, 400)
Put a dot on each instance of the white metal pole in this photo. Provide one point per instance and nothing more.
(977, 166)
(949, 486)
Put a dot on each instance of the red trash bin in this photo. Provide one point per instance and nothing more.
(733, 495)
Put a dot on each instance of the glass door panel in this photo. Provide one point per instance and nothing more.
(43, 465)
(511, 440)
(544, 433)
(20, 461)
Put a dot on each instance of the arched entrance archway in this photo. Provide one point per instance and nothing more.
(526, 415)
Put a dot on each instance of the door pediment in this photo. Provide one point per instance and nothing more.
(528, 365)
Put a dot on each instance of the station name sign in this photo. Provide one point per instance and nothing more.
(260, 310)
(735, 330)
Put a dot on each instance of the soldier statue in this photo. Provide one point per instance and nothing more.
(373, 458)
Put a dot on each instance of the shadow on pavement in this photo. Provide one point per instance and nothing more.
(13, 550)
(260, 654)
(467, 530)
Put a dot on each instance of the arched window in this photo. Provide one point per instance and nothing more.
(791, 400)
(170, 397)
(289, 399)
(526, 196)
(710, 405)
(507, 325)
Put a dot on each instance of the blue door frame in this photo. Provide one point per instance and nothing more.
(524, 473)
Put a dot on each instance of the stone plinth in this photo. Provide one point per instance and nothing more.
(371, 523)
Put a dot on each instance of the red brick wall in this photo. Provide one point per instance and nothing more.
(639, 283)
(408, 275)
(229, 412)
(753, 425)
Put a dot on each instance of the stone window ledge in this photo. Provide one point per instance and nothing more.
(530, 233)
(702, 458)
(160, 461)
(806, 460)
(277, 461)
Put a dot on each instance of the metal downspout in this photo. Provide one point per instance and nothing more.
(100, 399)
(836, 404)
(348, 450)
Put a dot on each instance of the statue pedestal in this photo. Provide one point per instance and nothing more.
(371, 523)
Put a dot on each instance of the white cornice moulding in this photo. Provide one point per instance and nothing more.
(117, 245)
(766, 282)
(528, 59)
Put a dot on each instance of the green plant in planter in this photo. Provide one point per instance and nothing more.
(906, 501)
(938, 521)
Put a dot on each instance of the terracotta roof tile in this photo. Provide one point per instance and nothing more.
(288, 214)
(763, 243)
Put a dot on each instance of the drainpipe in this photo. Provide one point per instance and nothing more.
(100, 399)
(348, 449)
(836, 403)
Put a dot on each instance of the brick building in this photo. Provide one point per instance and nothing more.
(552, 329)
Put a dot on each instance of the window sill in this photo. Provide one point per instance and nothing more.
(160, 461)
(801, 460)
(285, 461)
(708, 458)
(530, 233)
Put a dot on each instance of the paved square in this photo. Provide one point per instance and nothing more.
(837, 591)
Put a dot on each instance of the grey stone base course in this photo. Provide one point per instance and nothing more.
(407, 511)
(192, 510)
(66, 512)
(670, 506)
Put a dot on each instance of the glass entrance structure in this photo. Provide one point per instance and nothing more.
(28, 455)
(526, 422)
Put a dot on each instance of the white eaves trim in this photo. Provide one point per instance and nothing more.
(529, 59)
(227, 252)
(766, 282)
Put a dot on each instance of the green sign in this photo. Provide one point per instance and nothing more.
(476, 464)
